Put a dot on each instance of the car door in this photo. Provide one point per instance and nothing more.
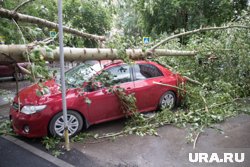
(105, 105)
(146, 92)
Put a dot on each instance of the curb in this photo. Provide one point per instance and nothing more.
(38, 152)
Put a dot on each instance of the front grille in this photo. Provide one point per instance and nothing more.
(15, 106)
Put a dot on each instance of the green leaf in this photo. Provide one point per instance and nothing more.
(39, 93)
(88, 101)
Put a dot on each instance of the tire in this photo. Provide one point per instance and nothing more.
(75, 124)
(168, 100)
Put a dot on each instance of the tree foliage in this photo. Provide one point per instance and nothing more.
(91, 16)
(223, 59)
(172, 15)
(222, 66)
(78, 14)
(42, 8)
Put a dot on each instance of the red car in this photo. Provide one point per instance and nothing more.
(42, 115)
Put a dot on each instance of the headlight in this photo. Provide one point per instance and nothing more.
(32, 109)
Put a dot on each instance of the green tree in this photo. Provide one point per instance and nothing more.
(91, 16)
(127, 18)
(42, 8)
(171, 15)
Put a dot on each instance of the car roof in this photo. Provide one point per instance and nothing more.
(120, 62)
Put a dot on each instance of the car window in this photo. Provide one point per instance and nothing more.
(78, 75)
(120, 74)
(144, 71)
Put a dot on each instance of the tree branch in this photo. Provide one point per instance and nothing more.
(21, 5)
(5, 13)
(23, 70)
(197, 136)
(217, 105)
(196, 31)
(172, 86)
(192, 81)
(18, 52)
(205, 103)
(18, 27)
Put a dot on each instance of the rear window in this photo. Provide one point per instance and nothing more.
(121, 74)
(144, 71)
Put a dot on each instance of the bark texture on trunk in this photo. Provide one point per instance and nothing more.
(16, 53)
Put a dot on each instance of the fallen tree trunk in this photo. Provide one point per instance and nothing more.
(5, 13)
(17, 53)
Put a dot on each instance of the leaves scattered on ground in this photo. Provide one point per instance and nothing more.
(5, 128)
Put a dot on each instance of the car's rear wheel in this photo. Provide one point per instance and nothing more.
(168, 100)
(75, 124)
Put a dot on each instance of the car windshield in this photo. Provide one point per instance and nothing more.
(76, 76)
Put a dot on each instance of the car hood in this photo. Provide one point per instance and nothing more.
(30, 95)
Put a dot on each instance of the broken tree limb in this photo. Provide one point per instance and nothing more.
(192, 80)
(196, 31)
(19, 29)
(23, 70)
(18, 53)
(5, 13)
(197, 136)
(205, 103)
(172, 86)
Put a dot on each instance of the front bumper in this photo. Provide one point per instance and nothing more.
(37, 123)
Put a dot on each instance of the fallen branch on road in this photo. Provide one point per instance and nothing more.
(197, 136)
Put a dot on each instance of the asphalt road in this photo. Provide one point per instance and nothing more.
(170, 148)
(12, 155)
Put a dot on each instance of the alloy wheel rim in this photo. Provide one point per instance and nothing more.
(167, 101)
(73, 125)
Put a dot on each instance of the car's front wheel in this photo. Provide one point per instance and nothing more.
(75, 124)
(168, 100)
